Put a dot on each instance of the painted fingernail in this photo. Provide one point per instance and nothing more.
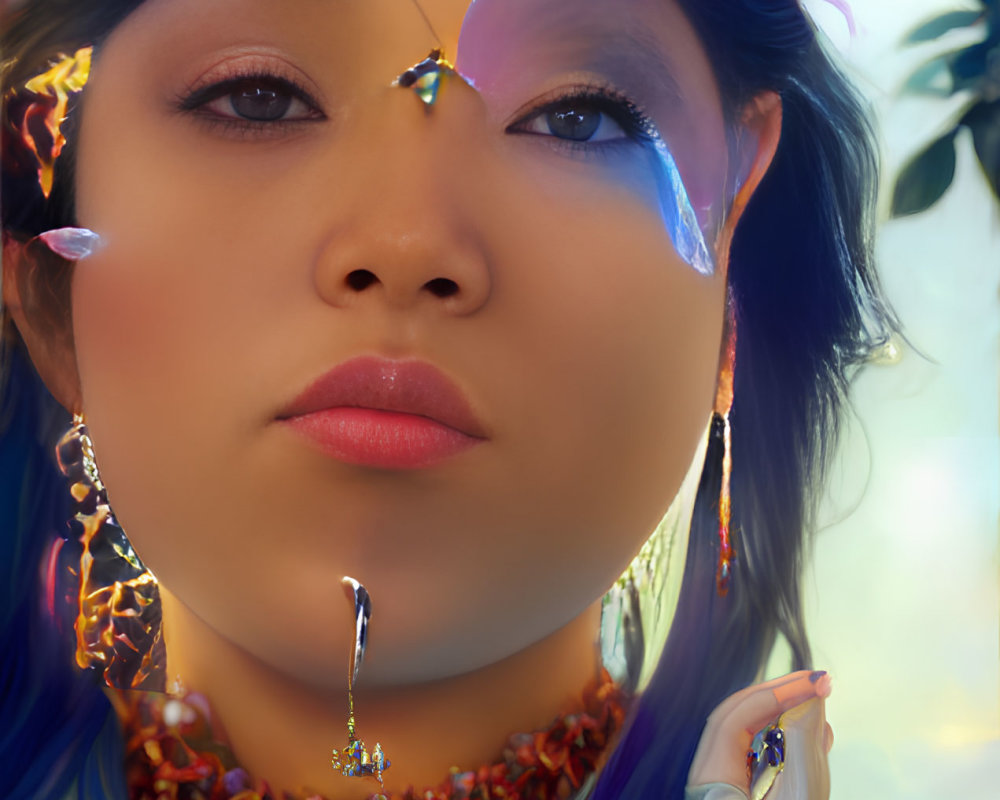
(73, 244)
(817, 675)
(824, 685)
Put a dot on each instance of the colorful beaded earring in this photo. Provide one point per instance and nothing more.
(118, 623)
(720, 424)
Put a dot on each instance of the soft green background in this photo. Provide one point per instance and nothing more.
(902, 592)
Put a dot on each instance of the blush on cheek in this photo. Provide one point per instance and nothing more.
(122, 315)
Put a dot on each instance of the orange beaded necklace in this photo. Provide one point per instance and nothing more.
(174, 749)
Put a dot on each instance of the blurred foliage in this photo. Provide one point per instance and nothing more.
(974, 69)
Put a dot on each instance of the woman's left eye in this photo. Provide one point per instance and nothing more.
(593, 117)
(257, 100)
(576, 121)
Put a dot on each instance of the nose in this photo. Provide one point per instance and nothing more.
(407, 261)
(409, 236)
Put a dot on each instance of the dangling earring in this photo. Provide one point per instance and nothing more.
(354, 761)
(68, 75)
(118, 624)
(720, 423)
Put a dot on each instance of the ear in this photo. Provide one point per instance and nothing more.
(36, 294)
(757, 141)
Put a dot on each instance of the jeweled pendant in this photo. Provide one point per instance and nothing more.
(425, 77)
(355, 760)
(765, 759)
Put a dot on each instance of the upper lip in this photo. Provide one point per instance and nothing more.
(381, 384)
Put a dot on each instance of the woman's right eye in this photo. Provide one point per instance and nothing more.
(259, 100)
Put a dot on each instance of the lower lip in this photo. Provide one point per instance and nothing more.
(383, 439)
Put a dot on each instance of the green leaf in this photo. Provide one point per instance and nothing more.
(939, 26)
(968, 66)
(983, 119)
(932, 78)
(925, 178)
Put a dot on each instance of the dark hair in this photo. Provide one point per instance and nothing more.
(808, 309)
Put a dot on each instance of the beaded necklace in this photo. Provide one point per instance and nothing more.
(174, 750)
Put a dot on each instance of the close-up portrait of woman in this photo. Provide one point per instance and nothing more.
(423, 399)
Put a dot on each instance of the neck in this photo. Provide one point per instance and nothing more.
(283, 730)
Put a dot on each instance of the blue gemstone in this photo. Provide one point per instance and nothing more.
(775, 741)
(236, 780)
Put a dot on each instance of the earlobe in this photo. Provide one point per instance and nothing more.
(36, 295)
(758, 138)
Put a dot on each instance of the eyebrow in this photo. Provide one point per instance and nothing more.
(644, 58)
(629, 46)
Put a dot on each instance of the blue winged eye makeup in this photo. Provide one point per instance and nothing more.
(509, 49)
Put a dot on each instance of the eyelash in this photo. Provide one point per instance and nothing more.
(633, 120)
(195, 99)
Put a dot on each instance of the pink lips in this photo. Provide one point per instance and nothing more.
(388, 414)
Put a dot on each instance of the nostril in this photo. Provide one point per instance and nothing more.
(442, 287)
(360, 279)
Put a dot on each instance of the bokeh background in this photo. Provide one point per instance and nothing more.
(902, 594)
(903, 590)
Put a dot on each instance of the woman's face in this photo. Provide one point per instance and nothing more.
(246, 258)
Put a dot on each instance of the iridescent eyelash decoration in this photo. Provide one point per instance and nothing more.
(679, 215)
(69, 75)
(676, 210)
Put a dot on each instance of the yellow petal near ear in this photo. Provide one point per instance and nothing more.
(68, 75)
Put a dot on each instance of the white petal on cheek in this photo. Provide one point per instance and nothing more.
(73, 244)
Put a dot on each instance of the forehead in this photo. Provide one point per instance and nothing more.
(653, 32)
(369, 31)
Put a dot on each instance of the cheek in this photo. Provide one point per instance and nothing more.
(172, 335)
(196, 263)
(620, 339)
(614, 344)
(156, 311)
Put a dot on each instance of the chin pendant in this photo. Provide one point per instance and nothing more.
(355, 760)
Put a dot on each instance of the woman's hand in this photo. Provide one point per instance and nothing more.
(798, 698)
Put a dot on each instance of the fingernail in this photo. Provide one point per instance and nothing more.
(824, 685)
(817, 675)
(73, 244)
